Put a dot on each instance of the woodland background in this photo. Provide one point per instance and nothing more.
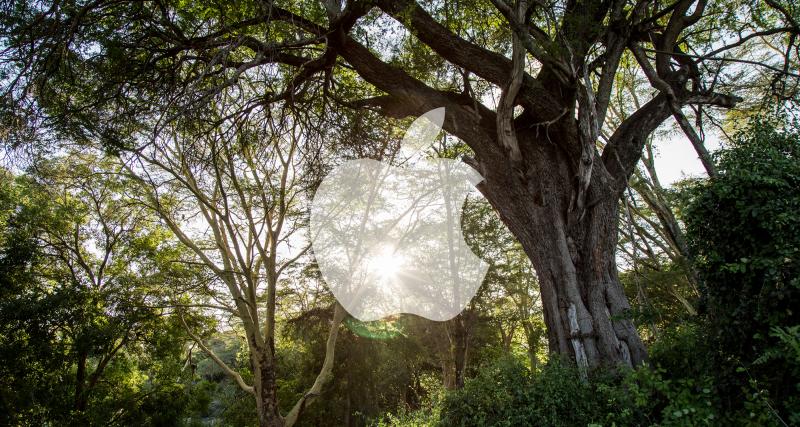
(160, 156)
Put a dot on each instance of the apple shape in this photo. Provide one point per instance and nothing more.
(388, 239)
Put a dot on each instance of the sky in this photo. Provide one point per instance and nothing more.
(676, 158)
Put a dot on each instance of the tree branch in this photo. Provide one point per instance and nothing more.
(482, 62)
(325, 374)
(230, 372)
(505, 109)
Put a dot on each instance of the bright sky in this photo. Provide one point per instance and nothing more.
(676, 158)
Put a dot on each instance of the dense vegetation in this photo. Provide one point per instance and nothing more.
(76, 352)
(160, 158)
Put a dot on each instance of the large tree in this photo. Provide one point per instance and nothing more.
(115, 70)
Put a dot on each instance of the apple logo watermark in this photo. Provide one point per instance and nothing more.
(388, 239)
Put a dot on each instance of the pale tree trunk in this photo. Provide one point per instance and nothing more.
(325, 373)
(265, 389)
(265, 386)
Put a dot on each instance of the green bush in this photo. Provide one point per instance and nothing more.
(507, 394)
(743, 228)
(428, 412)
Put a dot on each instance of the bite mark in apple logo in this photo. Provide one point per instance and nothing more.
(388, 239)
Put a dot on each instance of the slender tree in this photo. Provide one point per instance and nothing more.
(232, 196)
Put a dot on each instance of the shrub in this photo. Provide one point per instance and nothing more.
(743, 228)
(506, 393)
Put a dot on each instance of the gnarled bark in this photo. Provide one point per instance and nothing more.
(583, 300)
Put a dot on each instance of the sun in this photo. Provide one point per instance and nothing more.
(386, 263)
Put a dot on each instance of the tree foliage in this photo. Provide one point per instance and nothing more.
(743, 227)
(155, 267)
(85, 337)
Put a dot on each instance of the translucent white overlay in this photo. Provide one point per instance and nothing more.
(388, 239)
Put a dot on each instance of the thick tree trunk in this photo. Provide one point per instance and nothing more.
(573, 252)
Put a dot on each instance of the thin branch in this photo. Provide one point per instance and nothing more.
(230, 372)
(325, 374)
